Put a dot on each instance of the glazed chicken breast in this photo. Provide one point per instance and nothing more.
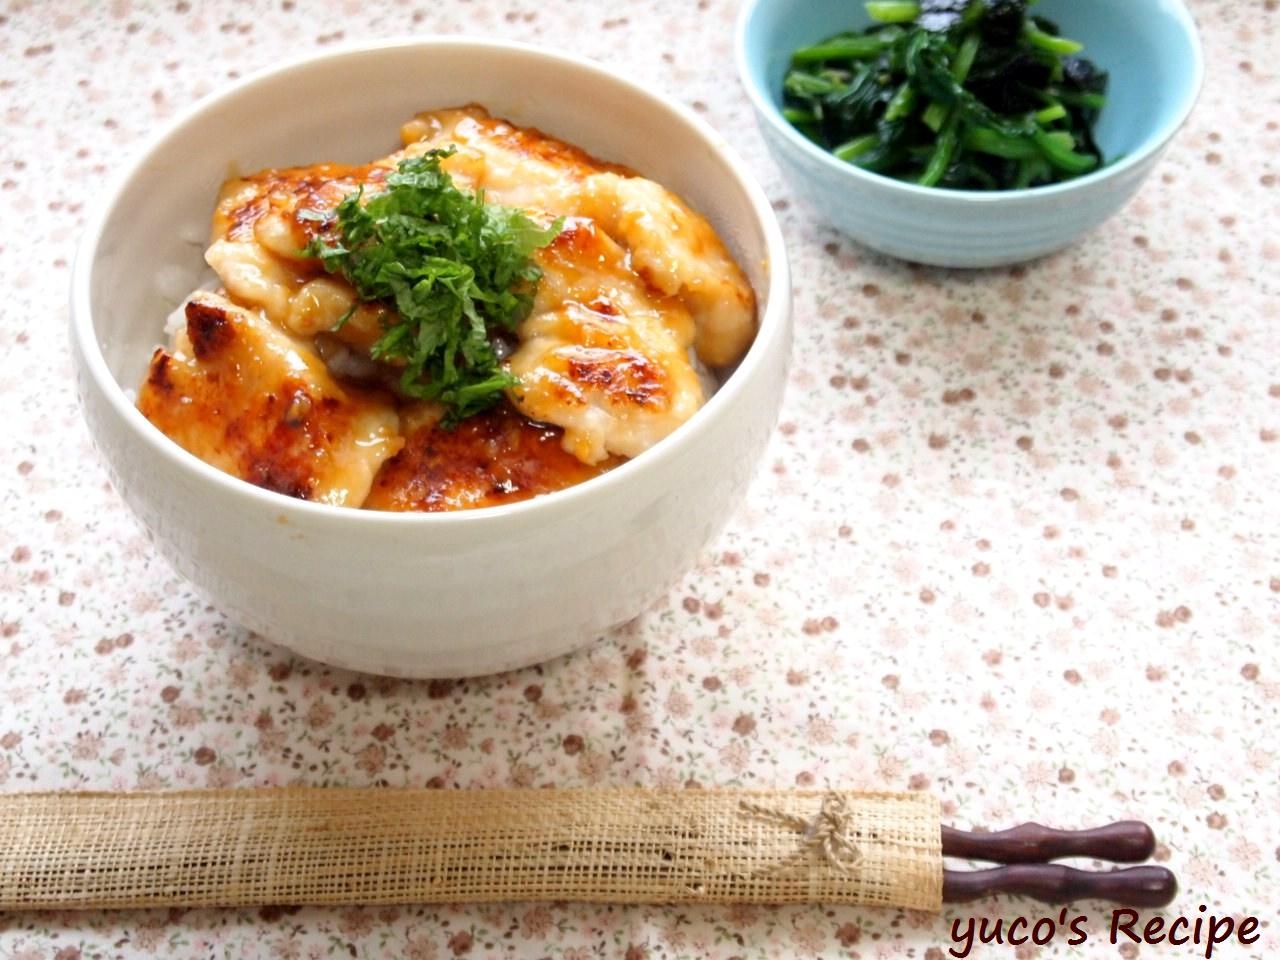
(599, 355)
(244, 396)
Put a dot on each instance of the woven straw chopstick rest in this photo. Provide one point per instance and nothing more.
(364, 846)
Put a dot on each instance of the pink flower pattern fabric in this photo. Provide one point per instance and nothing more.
(1015, 540)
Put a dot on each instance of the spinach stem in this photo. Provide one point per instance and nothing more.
(936, 113)
(968, 52)
(1092, 101)
(934, 116)
(902, 105)
(987, 140)
(893, 11)
(857, 147)
(973, 12)
(1047, 42)
(808, 85)
(948, 140)
(1029, 171)
(1061, 153)
(1051, 113)
(846, 48)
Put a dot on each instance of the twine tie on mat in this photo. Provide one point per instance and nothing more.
(829, 830)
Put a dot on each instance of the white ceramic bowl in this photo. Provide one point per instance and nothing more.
(436, 594)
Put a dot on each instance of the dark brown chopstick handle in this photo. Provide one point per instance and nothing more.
(1128, 841)
(1054, 883)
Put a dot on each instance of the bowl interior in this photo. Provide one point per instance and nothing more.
(1148, 46)
(144, 252)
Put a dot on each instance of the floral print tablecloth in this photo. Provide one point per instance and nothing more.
(1014, 541)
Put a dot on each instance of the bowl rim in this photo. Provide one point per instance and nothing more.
(772, 321)
(765, 108)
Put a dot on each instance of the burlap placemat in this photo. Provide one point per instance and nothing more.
(222, 848)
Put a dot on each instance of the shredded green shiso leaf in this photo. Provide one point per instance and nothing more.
(456, 270)
(964, 94)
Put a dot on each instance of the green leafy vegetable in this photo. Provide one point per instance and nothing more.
(966, 94)
(456, 269)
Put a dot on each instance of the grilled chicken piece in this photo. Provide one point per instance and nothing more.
(492, 458)
(515, 166)
(676, 252)
(249, 399)
(257, 244)
(601, 357)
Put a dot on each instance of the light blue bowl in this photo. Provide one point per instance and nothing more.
(1149, 47)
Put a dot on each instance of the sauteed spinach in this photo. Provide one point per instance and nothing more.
(965, 94)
